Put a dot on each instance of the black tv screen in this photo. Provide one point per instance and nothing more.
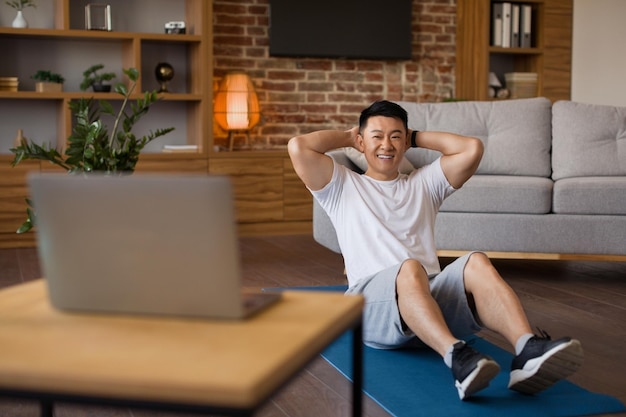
(364, 29)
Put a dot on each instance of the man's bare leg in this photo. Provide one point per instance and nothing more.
(419, 310)
(421, 313)
(539, 361)
(497, 305)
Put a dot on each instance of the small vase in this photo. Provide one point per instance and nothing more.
(19, 138)
(19, 21)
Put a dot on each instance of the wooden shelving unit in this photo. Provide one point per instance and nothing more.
(59, 41)
(549, 55)
(70, 49)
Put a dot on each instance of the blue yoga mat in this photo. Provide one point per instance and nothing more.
(417, 382)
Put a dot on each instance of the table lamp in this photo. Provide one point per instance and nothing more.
(236, 105)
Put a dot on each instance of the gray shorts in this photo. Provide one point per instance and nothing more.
(382, 325)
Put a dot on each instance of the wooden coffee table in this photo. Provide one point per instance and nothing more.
(220, 367)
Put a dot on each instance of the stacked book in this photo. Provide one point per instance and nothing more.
(521, 84)
(511, 25)
(8, 83)
(180, 148)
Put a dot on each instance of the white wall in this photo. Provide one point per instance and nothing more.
(599, 52)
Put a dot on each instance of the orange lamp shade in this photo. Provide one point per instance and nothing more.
(236, 103)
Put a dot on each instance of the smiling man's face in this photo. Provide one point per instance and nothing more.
(383, 141)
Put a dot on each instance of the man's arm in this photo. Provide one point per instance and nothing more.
(461, 154)
(307, 153)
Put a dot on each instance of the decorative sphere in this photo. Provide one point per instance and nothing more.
(164, 71)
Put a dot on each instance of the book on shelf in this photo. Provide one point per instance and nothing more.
(180, 148)
(511, 25)
(496, 24)
(9, 83)
(526, 11)
(506, 25)
(515, 21)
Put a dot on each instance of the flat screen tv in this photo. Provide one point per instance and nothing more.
(359, 29)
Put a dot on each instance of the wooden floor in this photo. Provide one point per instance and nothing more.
(586, 300)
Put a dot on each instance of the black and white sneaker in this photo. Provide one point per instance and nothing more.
(472, 370)
(543, 362)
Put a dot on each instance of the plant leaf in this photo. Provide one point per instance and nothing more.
(106, 107)
(132, 73)
(120, 88)
(25, 227)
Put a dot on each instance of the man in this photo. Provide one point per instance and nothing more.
(385, 227)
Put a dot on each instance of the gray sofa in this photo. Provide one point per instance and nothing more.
(551, 184)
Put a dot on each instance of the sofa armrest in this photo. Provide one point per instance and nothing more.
(323, 230)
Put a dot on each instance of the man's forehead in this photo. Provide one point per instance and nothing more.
(384, 124)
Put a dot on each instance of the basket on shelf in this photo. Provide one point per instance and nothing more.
(521, 84)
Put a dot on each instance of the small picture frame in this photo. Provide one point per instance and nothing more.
(98, 17)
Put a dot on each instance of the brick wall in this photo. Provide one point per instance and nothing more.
(302, 95)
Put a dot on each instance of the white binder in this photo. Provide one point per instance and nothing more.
(496, 24)
(506, 24)
(515, 21)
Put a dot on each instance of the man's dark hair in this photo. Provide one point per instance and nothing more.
(384, 108)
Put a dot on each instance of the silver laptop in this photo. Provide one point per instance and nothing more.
(144, 244)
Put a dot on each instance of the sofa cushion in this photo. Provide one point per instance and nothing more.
(590, 195)
(534, 233)
(341, 157)
(588, 140)
(502, 194)
(516, 133)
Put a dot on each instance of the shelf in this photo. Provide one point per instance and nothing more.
(67, 95)
(514, 51)
(97, 34)
(265, 153)
(550, 57)
(56, 41)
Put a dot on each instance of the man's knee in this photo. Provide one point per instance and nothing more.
(479, 272)
(412, 274)
(477, 264)
(479, 259)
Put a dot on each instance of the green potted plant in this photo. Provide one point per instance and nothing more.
(48, 81)
(20, 5)
(96, 80)
(91, 146)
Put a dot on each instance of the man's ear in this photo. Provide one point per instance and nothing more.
(359, 143)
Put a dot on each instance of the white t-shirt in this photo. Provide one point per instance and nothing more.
(383, 223)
